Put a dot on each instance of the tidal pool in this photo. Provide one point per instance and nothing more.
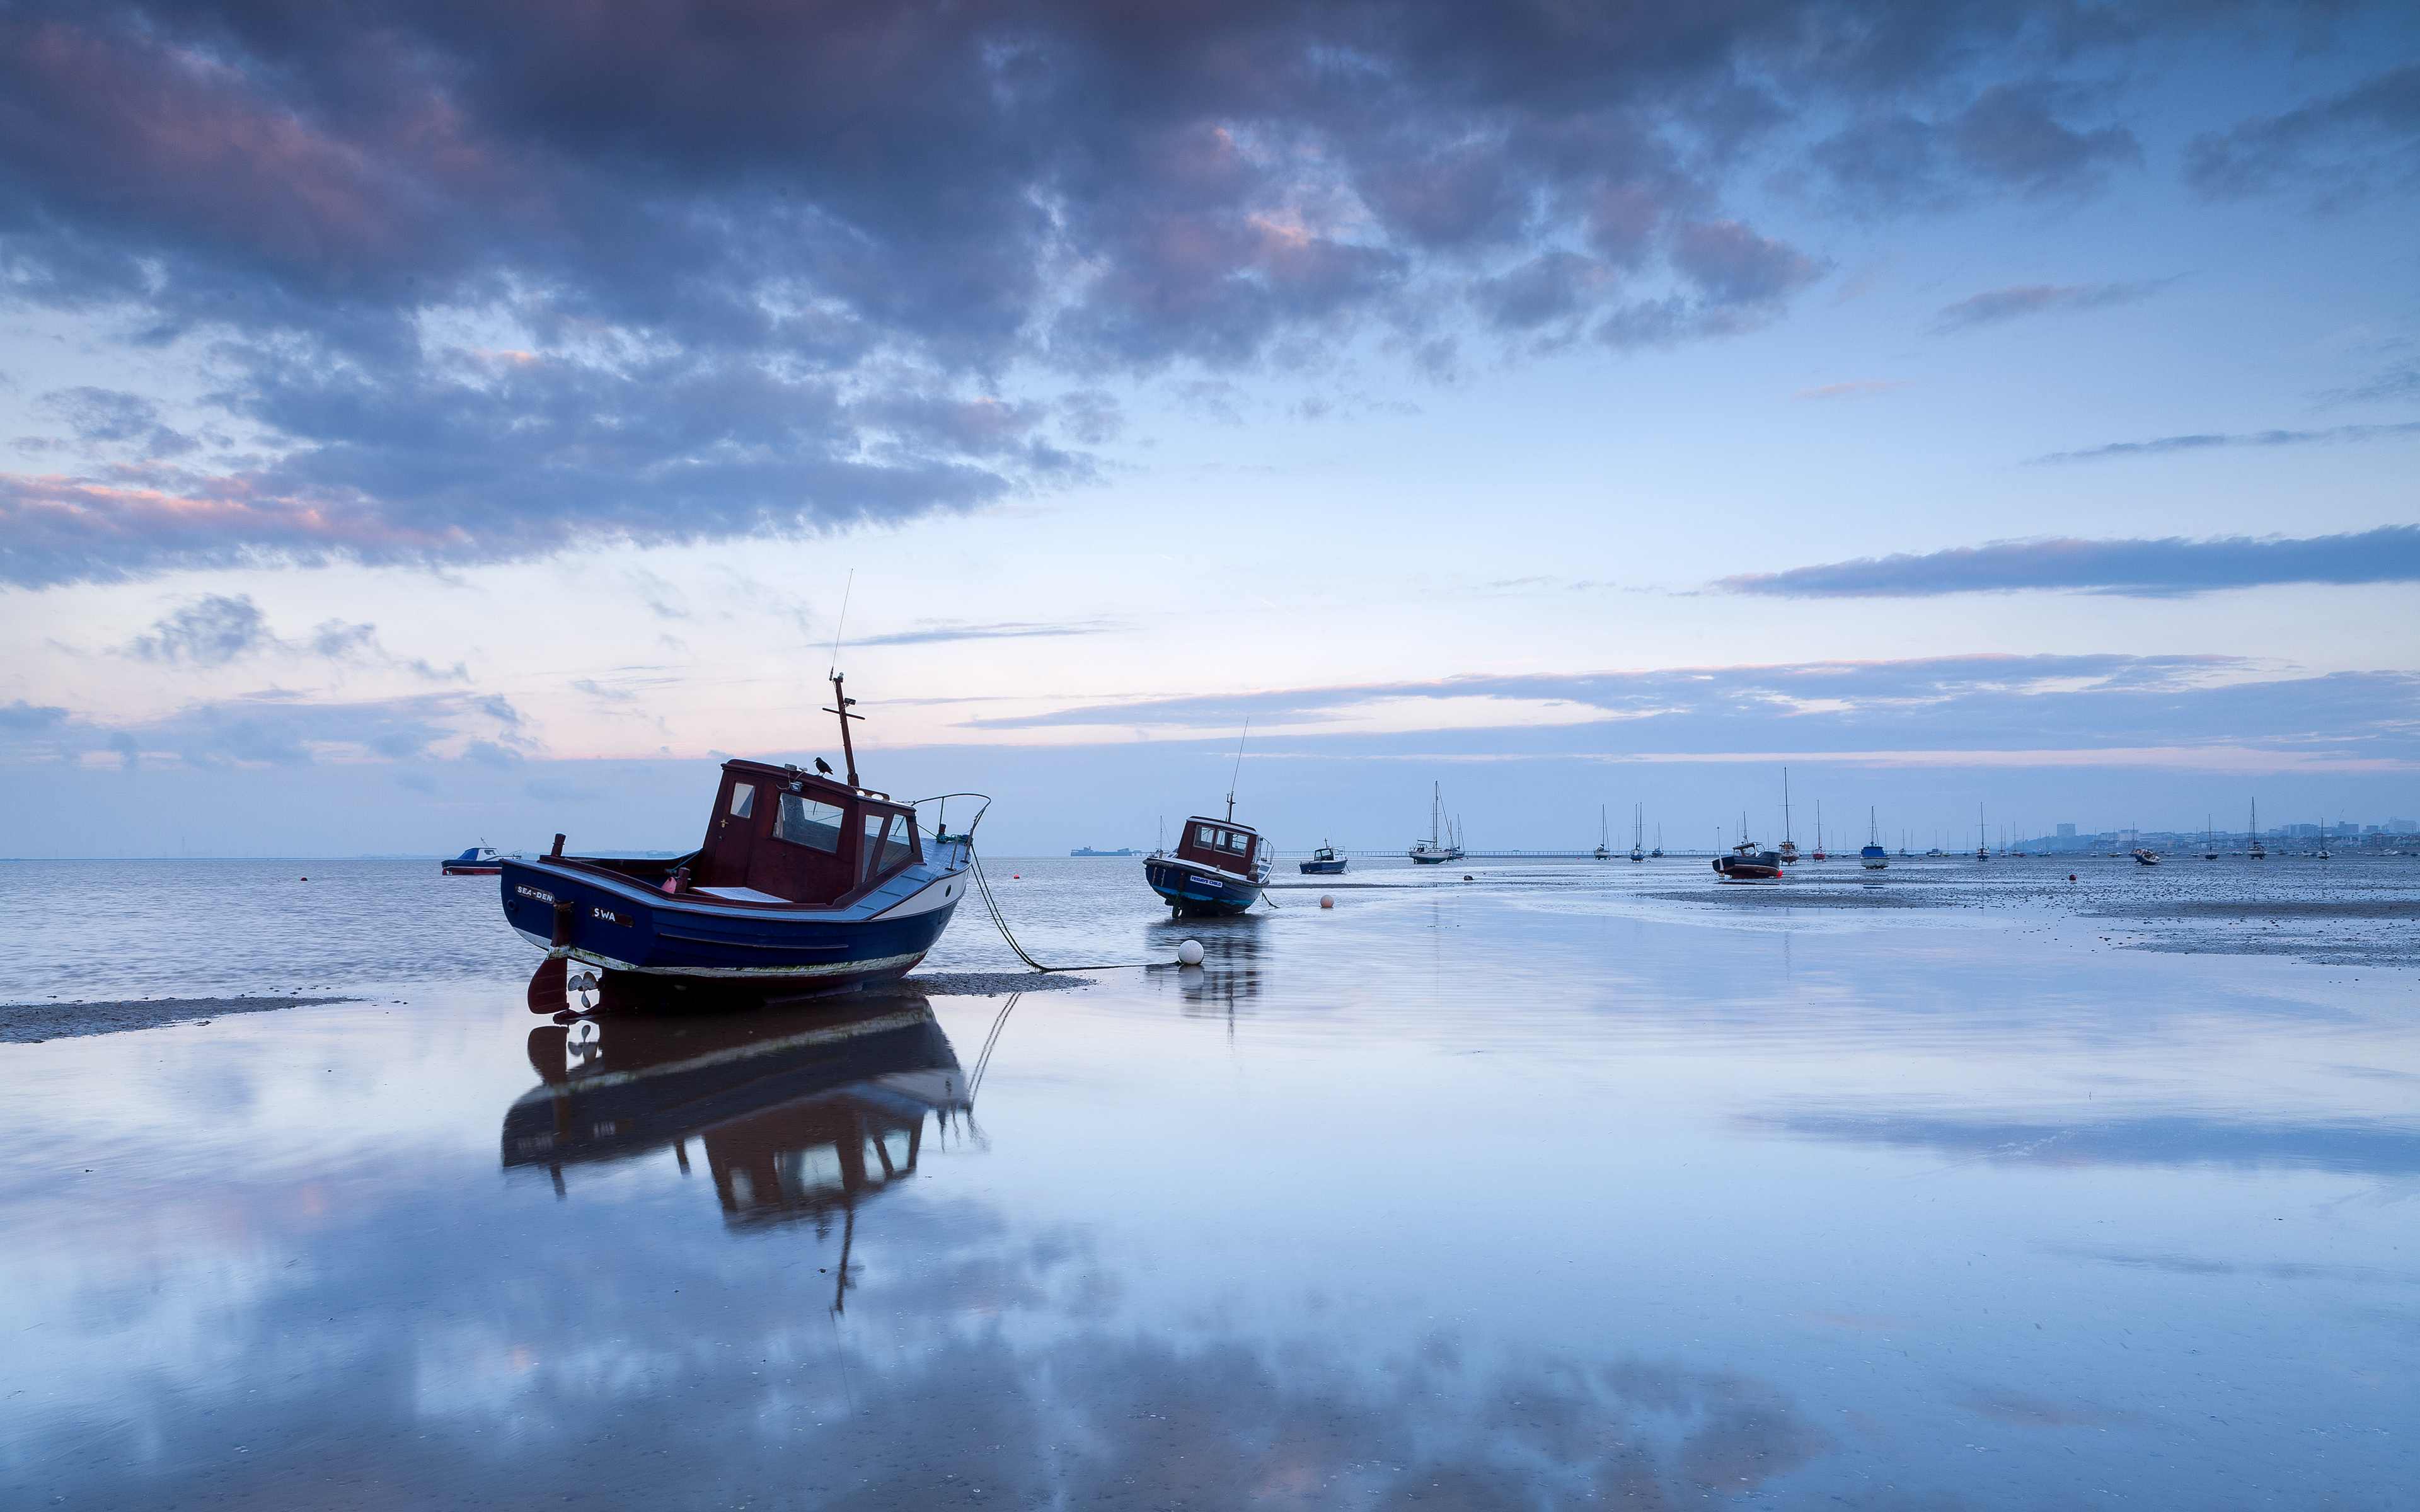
(1561, 1188)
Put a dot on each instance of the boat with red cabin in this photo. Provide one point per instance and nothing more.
(1218, 868)
(802, 880)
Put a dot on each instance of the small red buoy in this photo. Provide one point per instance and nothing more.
(1326, 901)
(306, 879)
(1016, 876)
(2071, 877)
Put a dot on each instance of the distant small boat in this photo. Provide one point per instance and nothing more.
(2256, 851)
(1087, 850)
(1604, 837)
(1657, 854)
(1819, 855)
(1324, 862)
(1789, 852)
(1748, 864)
(1441, 846)
(1873, 858)
(480, 861)
(1638, 832)
(2145, 856)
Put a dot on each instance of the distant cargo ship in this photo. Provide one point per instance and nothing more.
(1087, 850)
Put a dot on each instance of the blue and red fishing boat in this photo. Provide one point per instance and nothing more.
(1218, 867)
(803, 883)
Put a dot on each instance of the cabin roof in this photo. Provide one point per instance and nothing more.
(1224, 823)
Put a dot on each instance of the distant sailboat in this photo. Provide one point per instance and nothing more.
(1819, 831)
(1604, 836)
(1874, 858)
(2256, 850)
(1638, 832)
(2323, 852)
(1789, 852)
(1657, 854)
(1983, 847)
(1441, 844)
(2209, 843)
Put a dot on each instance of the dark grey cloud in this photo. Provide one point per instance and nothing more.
(2017, 300)
(2214, 438)
(480, 282)
(2140, 569)
(2338, 150)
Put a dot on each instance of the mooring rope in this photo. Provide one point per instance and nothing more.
(983, 884)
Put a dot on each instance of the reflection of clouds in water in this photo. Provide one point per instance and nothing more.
(2371, 1148)
(973, 1368)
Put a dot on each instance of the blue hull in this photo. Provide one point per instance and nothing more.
(577, 914)
(1191, 890)
(1323, 868)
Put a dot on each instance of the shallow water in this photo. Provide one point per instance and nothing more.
(1566, 1186)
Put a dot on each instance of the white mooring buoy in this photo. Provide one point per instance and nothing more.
(1190, 953)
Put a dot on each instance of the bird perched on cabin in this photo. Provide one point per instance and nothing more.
(824, 766)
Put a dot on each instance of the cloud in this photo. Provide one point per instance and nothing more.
(2258, 438)
(481, 285)
(2009, 136)
(2163, 711)
(2338, 151)
(1005, 631)
(1855, 389)
(216, 629)
(2143, 568)
(2017, 300)
(212, 631)
(17, 715)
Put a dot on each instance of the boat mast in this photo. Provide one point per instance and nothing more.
(1785, 806)
(840, 699)
(1238, 771)
(847, 750)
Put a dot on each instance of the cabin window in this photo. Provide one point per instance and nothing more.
(743, 800)
(1236, 841)
(1207, 836)
(805, 822)
(886, 845)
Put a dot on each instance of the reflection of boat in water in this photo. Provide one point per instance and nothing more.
(802, 1112)
(801, 877)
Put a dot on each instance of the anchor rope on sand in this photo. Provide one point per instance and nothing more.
(983, 885)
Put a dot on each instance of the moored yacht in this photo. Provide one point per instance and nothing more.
(1873, 858)
(1442, 843)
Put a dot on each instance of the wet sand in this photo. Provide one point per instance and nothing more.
(34, 1022)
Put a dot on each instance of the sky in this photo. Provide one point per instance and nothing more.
(422, 424)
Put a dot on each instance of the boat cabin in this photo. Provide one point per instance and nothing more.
(781, 835)
(1219, 842)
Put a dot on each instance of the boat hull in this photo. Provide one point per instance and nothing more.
(452, 869)
(1765, 867)
(1200, 890)
(1324, 869)
(625, 925)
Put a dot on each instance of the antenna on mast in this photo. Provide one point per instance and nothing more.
(841, 701)
(1239, 772)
